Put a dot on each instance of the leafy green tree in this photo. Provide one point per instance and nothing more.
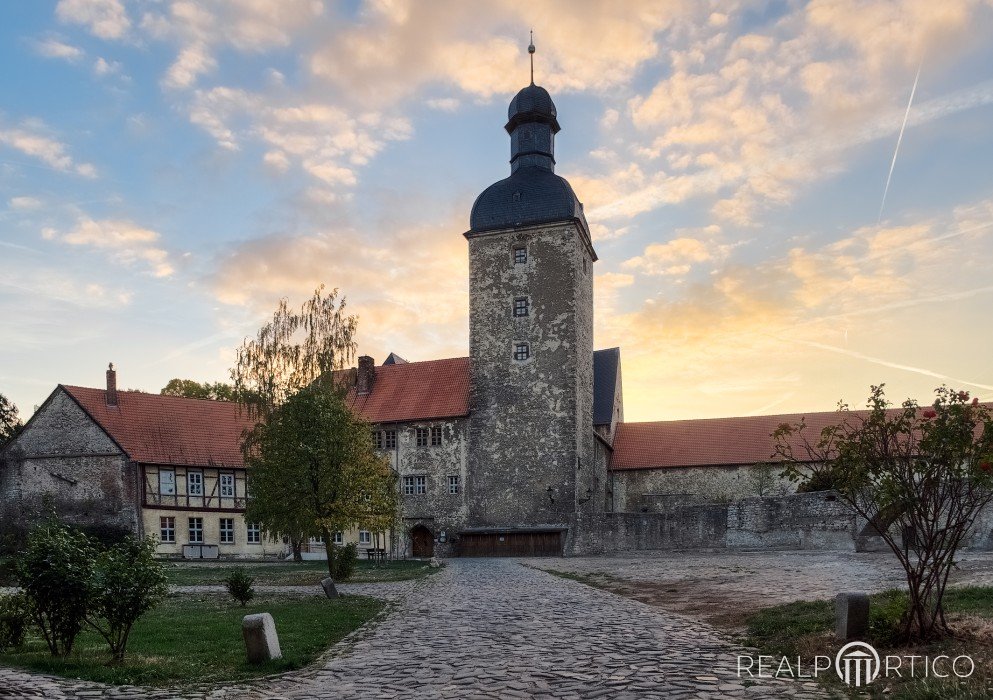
(127, 582)
(216, 391)
(10, 422)
(920, 475)
(313, 470)
(55, 572)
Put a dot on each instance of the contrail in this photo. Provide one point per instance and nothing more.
(906, 115)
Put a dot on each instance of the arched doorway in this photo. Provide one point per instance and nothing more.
(421, 542)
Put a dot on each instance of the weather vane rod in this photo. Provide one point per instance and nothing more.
(531, 51)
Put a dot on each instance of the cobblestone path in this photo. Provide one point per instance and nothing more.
(494, 629)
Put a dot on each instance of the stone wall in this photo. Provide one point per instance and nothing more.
(816, 520)
(711, 483)
(64, 459)
(690, 527)
(531, 453)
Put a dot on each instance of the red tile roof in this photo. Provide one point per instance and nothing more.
(156, 429)
(416, 391)
(707, 441)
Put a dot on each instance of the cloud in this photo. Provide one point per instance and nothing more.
(53, 48)
(672, 258)
(30, 140)
(24, 203)
(126, 242)
(106, 19)
(103, 68)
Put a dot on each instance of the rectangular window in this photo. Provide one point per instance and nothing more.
(420, 485)
(422, 437)
(522, 351)
(227, 485)
(453, 483)
(167, 482)
(194, 483)
(390, 439)
(408, 486)
(167, 529)
(521, 307)
(253, 533)
(435, 436)
(339, 538)
(377, 439)
(520, 255)
(365, 537)
(227, 530)
(196, 530)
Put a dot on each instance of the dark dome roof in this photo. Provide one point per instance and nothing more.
(532, 99)
(529, 196)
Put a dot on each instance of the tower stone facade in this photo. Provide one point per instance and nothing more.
(530, 457)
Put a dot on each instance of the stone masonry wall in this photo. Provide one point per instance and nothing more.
(64, 458)
(710, 483)
(529, 432)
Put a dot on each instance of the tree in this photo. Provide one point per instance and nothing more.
(10, 422)
(127, 582)
(764, 480)
(292, 351)
(313, 470)
(919, 475)
(216, 391)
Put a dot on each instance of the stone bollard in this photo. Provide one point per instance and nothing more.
(261, 641)
(851, 616)
(328, 585)
(434, 563)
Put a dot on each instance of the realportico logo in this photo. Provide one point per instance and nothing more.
(857, 664)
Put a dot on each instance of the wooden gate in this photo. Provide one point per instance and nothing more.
(510, 544)
(421, 542)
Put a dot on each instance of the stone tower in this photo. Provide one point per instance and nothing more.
(530, 336)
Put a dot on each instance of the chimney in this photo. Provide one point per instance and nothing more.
(366, 374)
(111, 385)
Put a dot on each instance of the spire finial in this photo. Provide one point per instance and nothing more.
(531, 51)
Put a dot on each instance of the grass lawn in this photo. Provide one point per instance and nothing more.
(194, 639)
(307, 573)
(806, 629)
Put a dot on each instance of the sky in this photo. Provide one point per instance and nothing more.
(170, 169)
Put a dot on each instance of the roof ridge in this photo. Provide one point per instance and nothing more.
(148, 393)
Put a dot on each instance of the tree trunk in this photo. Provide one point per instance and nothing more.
(297, 547)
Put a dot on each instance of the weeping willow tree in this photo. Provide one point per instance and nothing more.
(293, 351)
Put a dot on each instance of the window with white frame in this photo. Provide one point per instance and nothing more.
(422, 437)
(521, 306)
(227, 485)
(253, 533)
(365, 537)
(520, 255)
(390, 439)
(167, 529)
(167, 482)
(377, 439)
(420, 485)
(196, 530)
(453, 483)
(408, 486)
(339, 538)
(194, 483)
(435, 436)
(227, 530)
(522, 351)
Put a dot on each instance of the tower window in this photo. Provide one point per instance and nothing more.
(520, 255)
(522, 351)
(521, 306)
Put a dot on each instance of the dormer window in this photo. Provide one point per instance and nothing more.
(522, 351)
(520, 255)
(521, 306)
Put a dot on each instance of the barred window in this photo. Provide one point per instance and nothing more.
(227, 530)
(196, 530)
(520, 255)
(167, 529)
(390, 442)
(522, 351)
(253, 533)
(422, 437)
(521, 306)
(435, 436)
(453, 483)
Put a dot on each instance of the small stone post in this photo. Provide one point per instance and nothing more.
(851, 615)
(328, 585)
(261, 642)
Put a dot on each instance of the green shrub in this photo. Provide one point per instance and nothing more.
(127, 582)
(55, 572)
(15, 615)
(239, 585)
(345, 559)
(888, 616)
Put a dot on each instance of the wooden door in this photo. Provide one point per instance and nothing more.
(422, 542)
